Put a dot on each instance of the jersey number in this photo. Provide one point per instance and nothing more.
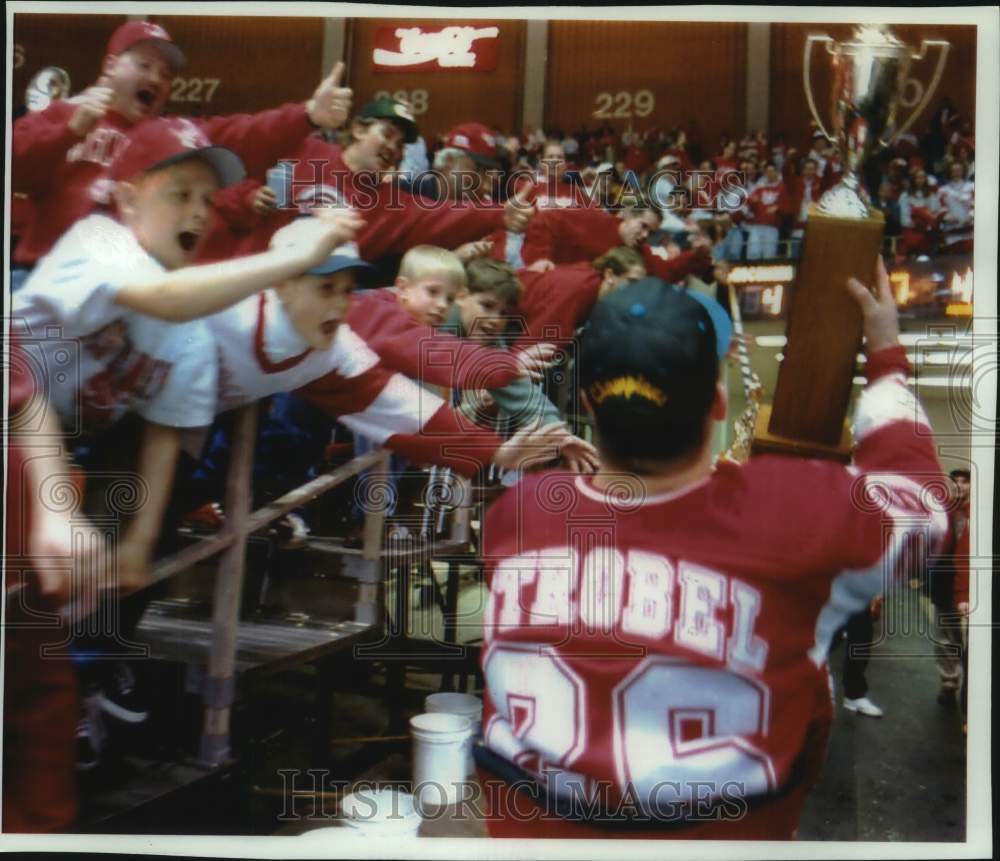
(679, 731)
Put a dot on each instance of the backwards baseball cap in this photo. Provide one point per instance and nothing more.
(346, 256)
(649, 362)
(162, 141)
(131, 33)
(476, 140)
(388, 108)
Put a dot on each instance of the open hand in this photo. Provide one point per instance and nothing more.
(580, 456)
(311, 240)
(471, 250)
(534, 446)
(535, 359)
(878, 309)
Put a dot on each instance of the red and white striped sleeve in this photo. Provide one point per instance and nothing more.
(393, 411)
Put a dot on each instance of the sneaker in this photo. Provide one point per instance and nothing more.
(863, 706)
(292, 532)
(120, 699)
(948, 697)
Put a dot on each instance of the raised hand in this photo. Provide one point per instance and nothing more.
(330, 105)
(535, 359)
(580, 456)
(312, 240)
(471, 250)
(533, 446)
(878, 310)
(519, 210)
(91, 106)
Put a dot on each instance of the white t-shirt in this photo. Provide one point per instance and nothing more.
(260, 353)
(98, 359)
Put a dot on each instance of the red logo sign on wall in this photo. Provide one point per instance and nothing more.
(412, 49)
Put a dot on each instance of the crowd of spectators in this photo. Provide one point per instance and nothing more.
(751, 194)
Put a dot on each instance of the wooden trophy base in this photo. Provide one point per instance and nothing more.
(817, 372)
(765, 442)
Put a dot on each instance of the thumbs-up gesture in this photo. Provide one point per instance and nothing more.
(91, 106)
(330, 105)
(520, 209)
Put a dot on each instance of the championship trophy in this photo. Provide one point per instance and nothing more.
(48, 86)
(843, 238)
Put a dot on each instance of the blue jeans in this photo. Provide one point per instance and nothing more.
(731, 246)
(762, 242)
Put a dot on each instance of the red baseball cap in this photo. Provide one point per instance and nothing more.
(475, 139)
(131, 33)
(163, 141)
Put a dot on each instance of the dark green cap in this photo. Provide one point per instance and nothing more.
(388, 108)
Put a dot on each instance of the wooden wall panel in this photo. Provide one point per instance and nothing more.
(452, 95)
(696, 71)
(258, 62)
(789, 111)
(73, 42)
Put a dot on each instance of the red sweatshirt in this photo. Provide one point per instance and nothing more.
(582, 235)
(396, 220)
(560, 299)
(66, 176)
(767, 202)
(422, 353)
(232, 219)
(570, 235)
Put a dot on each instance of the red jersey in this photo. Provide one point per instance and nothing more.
(767, 203)
(66, 175)
(672, 648)
(395, 219)
(422, 353)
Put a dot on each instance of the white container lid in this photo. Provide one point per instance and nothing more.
(388, 808)
(440, 726)
(454, 703)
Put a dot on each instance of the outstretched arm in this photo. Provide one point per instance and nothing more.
(197, 291)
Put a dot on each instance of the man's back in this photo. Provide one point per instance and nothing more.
(671, 648)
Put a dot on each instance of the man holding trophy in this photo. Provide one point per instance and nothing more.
(843, 237)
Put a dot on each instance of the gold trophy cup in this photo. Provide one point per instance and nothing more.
(843, 238)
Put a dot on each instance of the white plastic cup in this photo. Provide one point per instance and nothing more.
(441, 747)
(384, 812)
(465, 705)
